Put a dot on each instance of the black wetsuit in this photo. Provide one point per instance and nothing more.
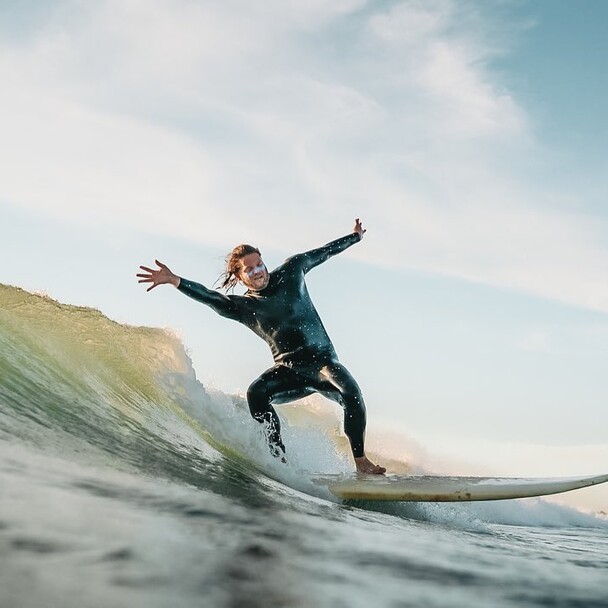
(305, 360)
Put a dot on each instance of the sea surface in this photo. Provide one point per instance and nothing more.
(125, 482)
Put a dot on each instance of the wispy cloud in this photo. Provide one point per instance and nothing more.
(281, 121)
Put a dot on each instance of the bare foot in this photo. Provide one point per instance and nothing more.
(364, 465)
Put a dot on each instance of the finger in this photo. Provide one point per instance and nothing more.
(160, 264)
(151, 287)
(145, 280)
(145, 276)
(148, 269)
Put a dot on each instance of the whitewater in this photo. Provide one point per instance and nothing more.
(125, 482)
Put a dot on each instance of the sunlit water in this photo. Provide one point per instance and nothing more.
(123, 482)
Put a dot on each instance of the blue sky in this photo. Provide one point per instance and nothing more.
(470, 137)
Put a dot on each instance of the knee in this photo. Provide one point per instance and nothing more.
(254, 389)
(257, 396)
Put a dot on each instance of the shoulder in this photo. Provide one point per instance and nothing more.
(291, 263)
(237, 300)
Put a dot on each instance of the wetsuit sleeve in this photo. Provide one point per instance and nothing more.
(227, 306)
(310, 259)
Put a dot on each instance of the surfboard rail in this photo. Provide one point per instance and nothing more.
(435, 488)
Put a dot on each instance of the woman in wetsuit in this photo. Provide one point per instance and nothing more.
(278, 308)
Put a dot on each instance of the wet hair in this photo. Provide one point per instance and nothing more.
(230, 277)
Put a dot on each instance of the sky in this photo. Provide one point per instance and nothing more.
(469, 137)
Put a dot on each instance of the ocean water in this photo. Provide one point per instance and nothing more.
(125, 482)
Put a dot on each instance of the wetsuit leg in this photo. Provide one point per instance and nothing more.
(351, 399)
(278, 382)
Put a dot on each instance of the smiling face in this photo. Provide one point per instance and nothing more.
(253, 273)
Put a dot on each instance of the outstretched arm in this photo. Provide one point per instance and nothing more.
(223, 305)
(313, 258)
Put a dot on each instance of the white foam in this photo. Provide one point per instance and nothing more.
(312, 448)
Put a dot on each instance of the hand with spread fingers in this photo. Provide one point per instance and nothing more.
(161, 276)
(359, 228)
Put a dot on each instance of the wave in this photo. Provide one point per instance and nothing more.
(75, 384)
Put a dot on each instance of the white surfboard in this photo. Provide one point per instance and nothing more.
(432, 488)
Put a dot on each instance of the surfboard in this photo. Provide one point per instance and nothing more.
(432, 488)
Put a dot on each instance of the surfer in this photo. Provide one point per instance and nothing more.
(278, 308)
